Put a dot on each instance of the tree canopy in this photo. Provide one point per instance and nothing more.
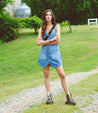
(3, 3)
(76, 11)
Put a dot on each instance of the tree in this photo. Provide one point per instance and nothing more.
(35, 22)
(3, 4)
(75, 11)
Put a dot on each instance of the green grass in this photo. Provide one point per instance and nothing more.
(78, 90)
(18, 58)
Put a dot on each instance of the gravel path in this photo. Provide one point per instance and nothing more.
(93, 105)
(27, 97)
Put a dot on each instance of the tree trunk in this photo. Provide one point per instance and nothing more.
(70, 26)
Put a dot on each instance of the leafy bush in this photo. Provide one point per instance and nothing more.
(31, 22)
(24, 22)
(8, 27)
(35, 22)
(65, 23)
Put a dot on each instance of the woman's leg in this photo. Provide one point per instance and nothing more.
(47, 84)
(47, 78)
(65, 86)
(61, 74)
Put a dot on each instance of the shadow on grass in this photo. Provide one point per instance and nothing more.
(28, 33)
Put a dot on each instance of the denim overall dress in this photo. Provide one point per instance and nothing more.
(50, 54)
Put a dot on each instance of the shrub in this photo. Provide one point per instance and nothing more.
(31, 22)
(24, 22)
(8, 27)
(64, 23)
(35, 22)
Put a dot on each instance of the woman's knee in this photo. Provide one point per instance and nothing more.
(46, 74)
(62, 76)
(60, 72)
(46, 71)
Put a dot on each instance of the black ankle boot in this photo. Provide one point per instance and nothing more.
(70, 100)
(49, 99)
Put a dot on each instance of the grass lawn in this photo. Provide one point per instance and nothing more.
(79, 90)
(18, 58)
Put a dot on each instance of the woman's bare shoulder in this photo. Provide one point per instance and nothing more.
(40, 28)
(58, 25)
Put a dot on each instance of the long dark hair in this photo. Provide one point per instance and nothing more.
(44, 22)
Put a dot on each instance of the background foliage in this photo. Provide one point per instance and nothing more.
(3, 4)
(76, 11)
(9, 25)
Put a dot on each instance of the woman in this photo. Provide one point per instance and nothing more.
(50, 54)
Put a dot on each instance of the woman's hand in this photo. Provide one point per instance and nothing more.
(53, 39)
(42, 42)
(56, 38)
(39, 40)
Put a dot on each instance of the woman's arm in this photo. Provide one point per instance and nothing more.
(56, 39)
(40, 41)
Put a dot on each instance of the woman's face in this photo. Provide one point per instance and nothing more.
(48, 16)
